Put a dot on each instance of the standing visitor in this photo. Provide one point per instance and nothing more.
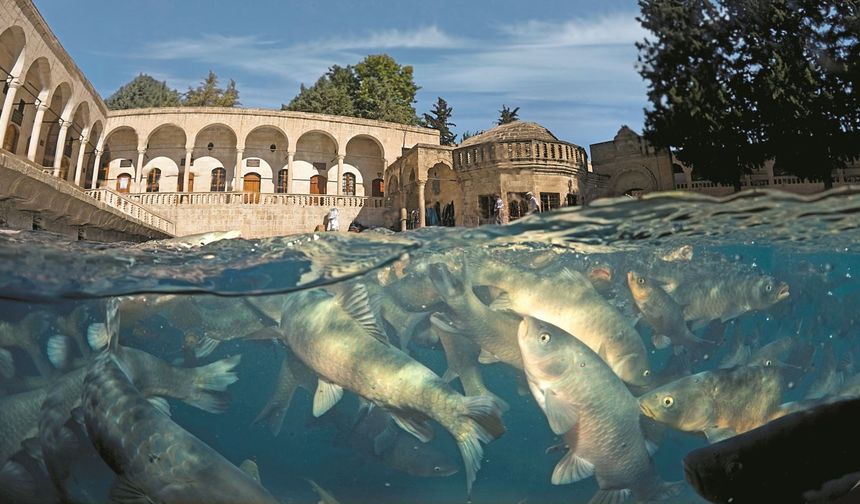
(333, 224)
(534, 205)
(500, 210)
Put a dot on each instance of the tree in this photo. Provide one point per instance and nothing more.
(375, 88)
(732, 83)
(469, 134)
(438, 119)
(208, 94)
(143, 92)
(508, 115)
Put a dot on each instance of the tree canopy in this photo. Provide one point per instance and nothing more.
(733, 83)
(439, 119)
(508, 115)
(376, 88)
(209, 94)
(143, 92)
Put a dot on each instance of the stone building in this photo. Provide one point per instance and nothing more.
(508, 160)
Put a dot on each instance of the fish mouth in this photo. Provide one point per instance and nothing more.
(646, 410)
(782, 293)
(600, 273)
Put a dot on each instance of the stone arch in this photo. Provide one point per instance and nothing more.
(443, 189)
(639, 179)
(256, 139)
(347, 170)
(120, 154)
(96, 131)
(365, 155)
(218, 141)
(34, 92)
(169, 172)
(79, 129)
(316, 154)
(13, 45)
(167, 135)
(59, 107)
(260, 157)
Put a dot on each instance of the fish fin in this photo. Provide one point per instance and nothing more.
(421, 429)
(356, 303)
(112, 323)
(160, 404)
(58, 351)
(601, 351)
(537, 393)
(660, 341)
(652, 431)
(651, 447)
(716, 434)
(556, 447)
(610, 496)
(697, 324)
(7, 364)
(450, 375)
(444, 323)
(205, 346)
(502, 303)
(16, 481)
(635, 319)
(97, 336)
(568, 274)
(486, 357)
(264, 334)
(326, 396)
(385, 439)
(562, 415)
(571, 468)
(247, 469)
(442, 280)
(210, 383)
(669, 489)
(484, 425)
(125, 492)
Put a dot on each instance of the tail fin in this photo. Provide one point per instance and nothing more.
(482, 424)
(210, 383)
(274, 411)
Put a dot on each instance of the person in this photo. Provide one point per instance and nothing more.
(333, 224)
(534, 206)
(500, 210)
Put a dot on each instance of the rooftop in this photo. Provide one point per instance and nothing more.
(515, 131)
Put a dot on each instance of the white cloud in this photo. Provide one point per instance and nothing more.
(614, 29)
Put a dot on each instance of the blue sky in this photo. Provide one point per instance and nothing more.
(568, 64)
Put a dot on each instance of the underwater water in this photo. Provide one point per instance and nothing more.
(668, 323)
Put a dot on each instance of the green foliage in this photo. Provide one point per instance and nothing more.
(209, 94)
(439, 119)
(375, 88)
(469, 134)
(735, 82)
(143, 92)
(508, 115)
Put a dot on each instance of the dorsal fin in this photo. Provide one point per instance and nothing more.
(356, 302)
(112, 323)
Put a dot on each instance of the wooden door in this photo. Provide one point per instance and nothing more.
(11, 139)
(251, 187)
(190, 182)
(123, 183)
(318, 184)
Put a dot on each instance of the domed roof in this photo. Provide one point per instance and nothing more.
(514, 131)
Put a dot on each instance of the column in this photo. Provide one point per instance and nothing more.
(139, 169)
(186, 177)
(37, 131)
(61, 146)
(340, 175)
(688, 178)
(96, 169)
(290, 156)
(85, 136)
(237, 172)
(7, 107)
(422, 217)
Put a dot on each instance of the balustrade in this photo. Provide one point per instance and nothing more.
(254, 198)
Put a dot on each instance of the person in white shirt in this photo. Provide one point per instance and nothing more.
(500, 210)
(333, 224)
(534, 205)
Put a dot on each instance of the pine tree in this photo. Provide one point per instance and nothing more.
(438, 119)
(508, 115)
(208, 94)
(143, 92)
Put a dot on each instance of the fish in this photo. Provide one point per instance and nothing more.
(292, 375)
(584, 400)
(737, 353)
(249, 467)
(725, 297)
(404, 323)
(804, 457)
(196, 240)
(720, 403)
(663, 314)
(26, 334)
(569, 301)
(325, 496)
(154, 458)
(339, 338)
(829, 377)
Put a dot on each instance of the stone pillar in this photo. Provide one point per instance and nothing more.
(290, 156)
(96, 169)
(7, 107)
(37, 131)
(237, 172)
(403, 219)
(422, 217)
(340, 175)
(139, 169)
(770, 180)
(186, 177)
(61, 146)
(688, 178)
(85, 136)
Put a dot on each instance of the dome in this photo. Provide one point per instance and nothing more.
(512, 132)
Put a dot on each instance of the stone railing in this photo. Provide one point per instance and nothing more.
(242, 198)
(132, 208)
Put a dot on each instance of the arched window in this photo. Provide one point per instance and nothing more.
(219, 180)
(283, 177)
(348, 184)
(152, 180)
(378, 188)
(123, 183)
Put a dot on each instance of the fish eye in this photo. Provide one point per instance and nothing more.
(768, 287)
(437, 468)
(646, 373)
(768, 362)
(668, 401)
(544, 337)
(640, 281)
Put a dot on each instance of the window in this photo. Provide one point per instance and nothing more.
(485, 205)
(123, 183)
(378, 188)
(283, 181)
(348, 184)
(125, 163)
(219, 180)
(570, 200)
(549, 201)
(517, 205)
(152, 180)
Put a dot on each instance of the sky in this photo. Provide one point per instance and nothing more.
(568, 64)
